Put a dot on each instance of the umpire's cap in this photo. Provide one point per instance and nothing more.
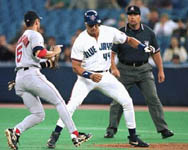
(133, 10)
(30, 17)
(91, 17)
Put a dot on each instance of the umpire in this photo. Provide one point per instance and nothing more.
(134, 69)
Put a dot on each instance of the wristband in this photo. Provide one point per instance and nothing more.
(141, 46)
(86, 74)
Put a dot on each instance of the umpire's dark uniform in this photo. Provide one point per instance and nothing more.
(135, 70)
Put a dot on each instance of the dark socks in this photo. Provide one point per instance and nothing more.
(58, 129)
(132, 132)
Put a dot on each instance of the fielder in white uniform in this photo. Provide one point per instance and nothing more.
(91, 61)
(31, 84)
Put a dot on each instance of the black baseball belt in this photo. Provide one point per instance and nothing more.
(24, 68)
(100, 71)
(19, 68)
(134, 64)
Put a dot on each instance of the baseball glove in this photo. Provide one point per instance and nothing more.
(11, 85)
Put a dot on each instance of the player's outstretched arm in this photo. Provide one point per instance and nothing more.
(52, 63)
(133, 42)
(48, 54)
(137, 44)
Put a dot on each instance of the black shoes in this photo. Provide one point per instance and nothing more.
(77, 141)
(53, 139)
(137, 142)
(166, 133)
(109, 135)
(110, 132)
(12, 139)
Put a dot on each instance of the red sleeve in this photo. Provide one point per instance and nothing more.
(42, 53)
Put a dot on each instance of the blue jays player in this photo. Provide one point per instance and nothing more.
(91, 61)
(31, 84)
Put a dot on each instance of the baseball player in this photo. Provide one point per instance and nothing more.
(91, 61)
(31, 84)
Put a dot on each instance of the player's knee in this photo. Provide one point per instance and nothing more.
(128, 106)
(40, 116)
(71, 107)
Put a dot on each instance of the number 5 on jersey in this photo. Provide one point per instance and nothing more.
(18, 53)
(23, 40)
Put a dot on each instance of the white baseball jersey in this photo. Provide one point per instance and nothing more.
(24, 49)
(96, 55)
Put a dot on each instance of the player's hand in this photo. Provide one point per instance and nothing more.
(57, 49)
(115, 72)
(96, 77)
(149, 49)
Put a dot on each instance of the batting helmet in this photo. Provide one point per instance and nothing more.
(91, 17)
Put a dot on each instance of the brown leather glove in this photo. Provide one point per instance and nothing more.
(11, 85)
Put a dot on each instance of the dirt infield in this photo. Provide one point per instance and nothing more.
(167, 146)
(97, 107)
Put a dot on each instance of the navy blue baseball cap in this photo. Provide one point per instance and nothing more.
(30, 17)
(91, 17)
(133, 10)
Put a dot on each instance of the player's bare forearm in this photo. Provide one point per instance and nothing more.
(113, 59)
(54, 52)
(114, 69)
(133, 42)
(50, 54)
(76, 67)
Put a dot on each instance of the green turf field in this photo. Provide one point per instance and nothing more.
(93, 121)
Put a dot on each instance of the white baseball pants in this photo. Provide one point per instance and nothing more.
(109, 86)
(30, 85)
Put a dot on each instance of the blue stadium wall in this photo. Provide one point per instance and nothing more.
(173, 92)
